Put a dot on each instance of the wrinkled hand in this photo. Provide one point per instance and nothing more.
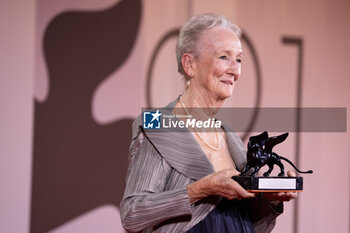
(281, 196)
(218, 184)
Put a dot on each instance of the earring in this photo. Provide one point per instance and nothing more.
(188, 82)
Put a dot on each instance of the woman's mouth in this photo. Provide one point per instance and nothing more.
(227, 82)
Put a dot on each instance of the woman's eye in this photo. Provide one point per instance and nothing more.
(223, 57)
(239, 60)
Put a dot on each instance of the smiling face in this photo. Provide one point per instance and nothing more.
(218, 64)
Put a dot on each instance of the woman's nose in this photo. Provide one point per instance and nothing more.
(234, 69)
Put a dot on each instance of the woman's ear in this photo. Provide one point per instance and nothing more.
(188, 64)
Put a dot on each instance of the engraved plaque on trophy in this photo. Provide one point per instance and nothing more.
(260, 154)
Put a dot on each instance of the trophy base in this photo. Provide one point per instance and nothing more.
(270, 183)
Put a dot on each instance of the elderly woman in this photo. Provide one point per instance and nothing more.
(181, 182)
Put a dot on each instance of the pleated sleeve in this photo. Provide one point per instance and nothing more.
(145, 202)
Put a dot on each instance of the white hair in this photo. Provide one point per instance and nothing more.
(191, 31)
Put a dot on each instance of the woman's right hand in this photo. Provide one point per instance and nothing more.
(218, 184)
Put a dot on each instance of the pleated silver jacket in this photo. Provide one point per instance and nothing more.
(162, 164)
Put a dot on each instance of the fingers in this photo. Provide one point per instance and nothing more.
(291, 173)
(287, 196)
(280, 196)
(241, 192)
(224, 185)
(290, 196)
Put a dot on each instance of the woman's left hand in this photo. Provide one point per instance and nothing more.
(281, 196)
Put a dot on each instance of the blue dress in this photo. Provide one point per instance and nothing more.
(229, 216)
